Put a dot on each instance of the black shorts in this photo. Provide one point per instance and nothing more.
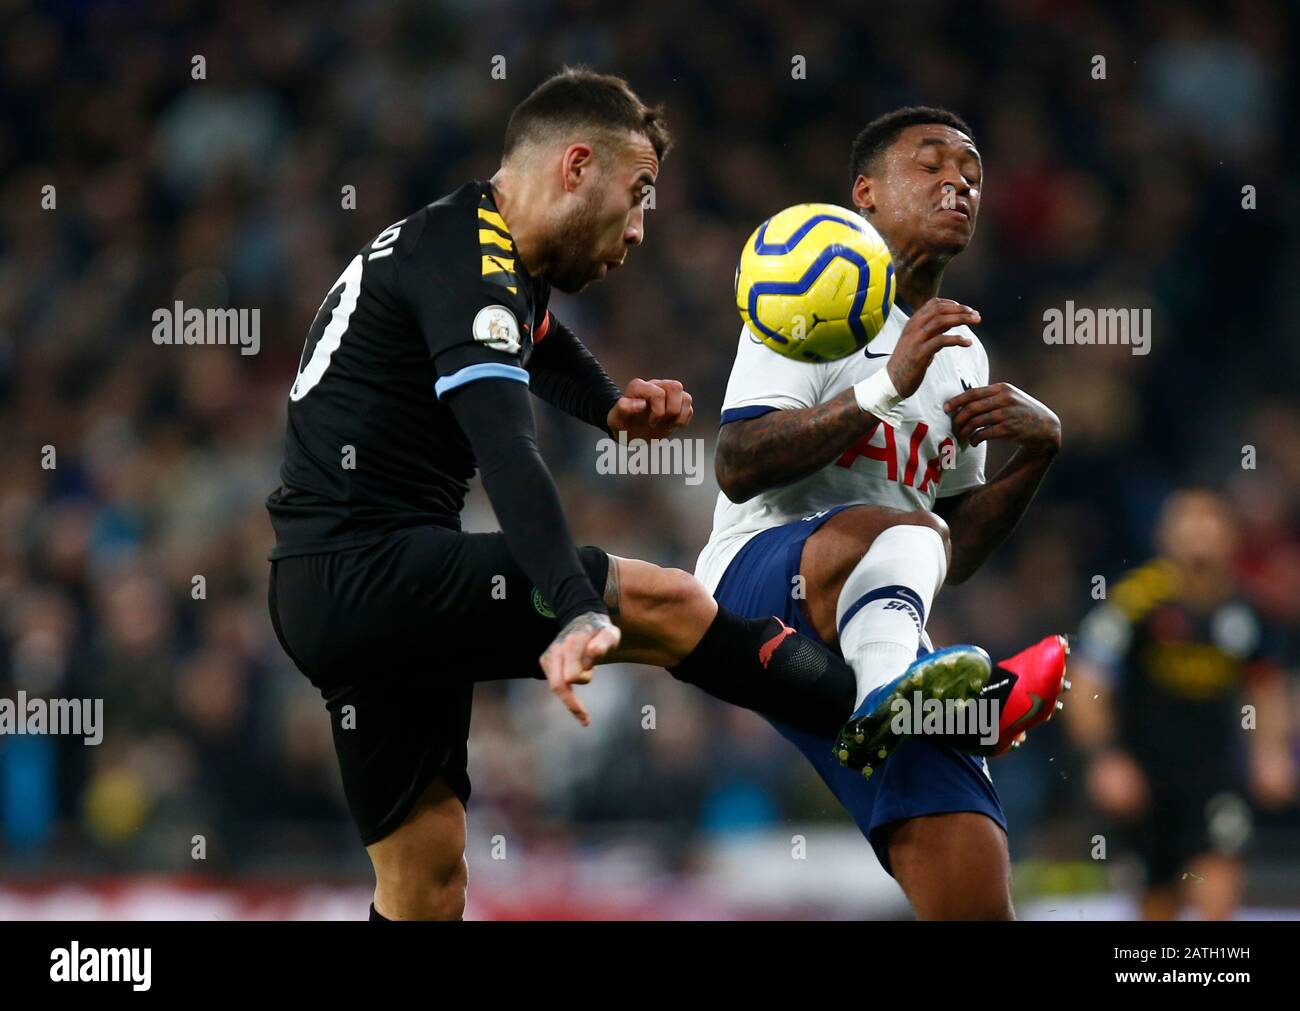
(394, 634)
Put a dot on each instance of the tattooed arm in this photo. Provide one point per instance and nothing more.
(780, 447)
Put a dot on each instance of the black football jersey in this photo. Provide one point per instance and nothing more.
(1181, 675)
(435, 300)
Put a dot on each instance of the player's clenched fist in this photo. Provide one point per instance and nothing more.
(651, 408)
(569, 659)
(923, 337)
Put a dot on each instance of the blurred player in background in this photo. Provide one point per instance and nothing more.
(416, 373)
(1166, 666)
(862, 481)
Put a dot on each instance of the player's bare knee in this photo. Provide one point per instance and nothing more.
(448, 893)
(425, 890)
(664, 593)
(440, 895)
(689, 599)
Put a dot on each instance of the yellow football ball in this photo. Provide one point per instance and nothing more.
(815, 282)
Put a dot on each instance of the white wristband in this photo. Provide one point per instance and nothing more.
(877, 396)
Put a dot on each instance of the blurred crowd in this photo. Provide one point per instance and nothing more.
(158, 152)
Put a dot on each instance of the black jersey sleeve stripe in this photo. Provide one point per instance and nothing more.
(482, 370)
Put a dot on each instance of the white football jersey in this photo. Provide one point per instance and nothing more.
(903, 468)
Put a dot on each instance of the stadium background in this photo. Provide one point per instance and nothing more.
(227, 191)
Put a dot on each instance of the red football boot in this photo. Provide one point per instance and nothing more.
(1028, 689)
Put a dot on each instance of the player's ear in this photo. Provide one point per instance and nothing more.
(864, 197)
(578, 159)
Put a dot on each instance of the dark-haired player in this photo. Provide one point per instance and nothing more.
(1167, 662)
(862, 481)
(417, 371)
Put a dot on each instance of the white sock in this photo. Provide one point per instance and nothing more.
(885, 601)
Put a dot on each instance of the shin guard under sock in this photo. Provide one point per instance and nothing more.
(764, 665)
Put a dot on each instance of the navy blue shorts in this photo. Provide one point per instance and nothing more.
(919, 778)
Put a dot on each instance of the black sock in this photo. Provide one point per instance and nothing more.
(762, 665)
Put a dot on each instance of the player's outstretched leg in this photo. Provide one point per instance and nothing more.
(669, 619)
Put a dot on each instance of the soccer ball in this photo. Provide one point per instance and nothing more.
(815, 282)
